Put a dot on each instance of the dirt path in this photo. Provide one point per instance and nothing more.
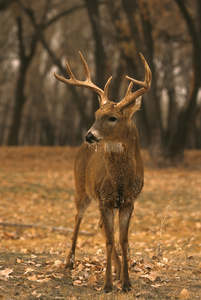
(165, 241)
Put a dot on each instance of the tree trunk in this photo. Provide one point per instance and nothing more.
(19, 104)
(25, 60)
(188, 114)
(100, 55)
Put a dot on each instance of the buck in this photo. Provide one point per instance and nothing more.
(108, 168)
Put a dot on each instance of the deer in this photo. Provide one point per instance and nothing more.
(108, 168)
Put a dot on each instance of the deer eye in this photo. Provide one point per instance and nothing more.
(112, 119)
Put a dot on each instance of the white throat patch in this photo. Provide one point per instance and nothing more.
(113, 147)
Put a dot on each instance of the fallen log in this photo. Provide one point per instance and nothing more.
(51, 228)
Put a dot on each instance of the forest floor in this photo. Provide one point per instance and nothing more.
(37, 188)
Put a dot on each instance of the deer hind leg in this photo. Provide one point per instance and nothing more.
(107, 220)
(115, 256)
(124, 220)
(81, 208)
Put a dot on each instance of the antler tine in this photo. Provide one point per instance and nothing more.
(105, 95)
(87, 82)
(86, 68)
(69, 71)
(146, 84)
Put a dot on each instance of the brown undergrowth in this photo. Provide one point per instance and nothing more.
(36, 187)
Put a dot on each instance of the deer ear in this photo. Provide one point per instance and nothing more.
(133, 106)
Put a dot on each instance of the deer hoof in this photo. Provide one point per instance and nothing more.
(69, 266)
(126, 287)
(108, 288)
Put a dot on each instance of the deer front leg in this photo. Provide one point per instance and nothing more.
(81, 208)
(124, 220)
(107, 219)
(71, 255)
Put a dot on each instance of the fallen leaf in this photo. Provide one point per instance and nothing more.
(32, 278)
(36, 294)
(44, 280)
(6, 272)
(28, 270)
(77, 282)
(80, 267)
(152, 276)
(58, 263)
(165, 260)
(156, 285)
(38, 265)
(92, 279)
(147, 264)
(35, 278)
(30, 262)
(184, 294)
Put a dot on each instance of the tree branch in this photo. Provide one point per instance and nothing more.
(62, 14)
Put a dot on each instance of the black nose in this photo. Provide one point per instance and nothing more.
(90, 138)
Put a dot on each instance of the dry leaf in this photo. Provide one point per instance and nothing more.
(28, 270)
(36, 294)
(44, 280)
(184, 294)
(77, 282)
(165, 260)
(92, 279)
(152, 276)
(156, 285)
(80, 267)
(32, 278)
(38, 265)
(25, 251)
(6, 272)
(147, 264)
(58, 263)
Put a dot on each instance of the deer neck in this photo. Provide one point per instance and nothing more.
(120, 169)
(118, 159)
(116, 147)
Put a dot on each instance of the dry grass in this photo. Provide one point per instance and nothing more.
(165, 242)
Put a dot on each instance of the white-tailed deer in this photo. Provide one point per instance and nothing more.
(109, 169)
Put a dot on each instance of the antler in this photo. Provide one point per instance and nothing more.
(130, 97)
(87, 83)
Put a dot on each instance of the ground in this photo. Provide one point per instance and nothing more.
(37, 189)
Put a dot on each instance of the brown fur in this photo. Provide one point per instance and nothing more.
(109, 169)
(114, 179)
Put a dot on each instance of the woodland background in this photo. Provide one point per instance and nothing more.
(36, 183)
(38, 36)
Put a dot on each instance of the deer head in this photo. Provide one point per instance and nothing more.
(110, 117)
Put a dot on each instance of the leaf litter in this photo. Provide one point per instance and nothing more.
(38, 188)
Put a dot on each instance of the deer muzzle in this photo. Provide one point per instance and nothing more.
(90, 138)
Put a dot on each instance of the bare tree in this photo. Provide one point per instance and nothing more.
(25, 58)
(111, 35)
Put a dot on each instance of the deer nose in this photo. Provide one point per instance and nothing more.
(90, 138)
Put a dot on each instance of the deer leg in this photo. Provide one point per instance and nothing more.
(78, 218)
(115, 256)
(124, 220)
(117, 262)
(107, 219)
